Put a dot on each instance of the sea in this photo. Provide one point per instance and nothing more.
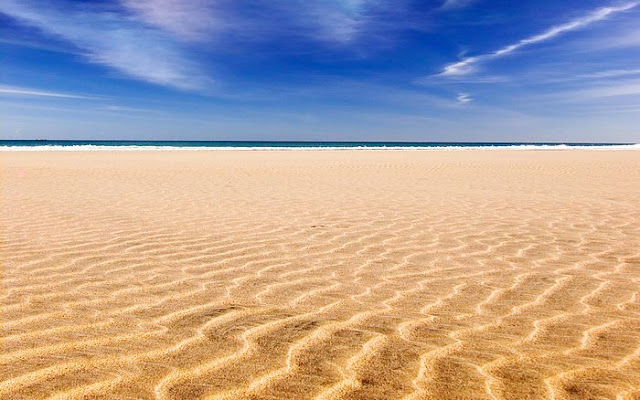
(110, 145)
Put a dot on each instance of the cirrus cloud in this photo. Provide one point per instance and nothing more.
(468, 65)
(111, 39)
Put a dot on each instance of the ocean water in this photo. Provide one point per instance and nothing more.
(90, 145)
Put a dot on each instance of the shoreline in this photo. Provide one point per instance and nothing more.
(92, 148)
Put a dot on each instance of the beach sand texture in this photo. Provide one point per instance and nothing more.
(320, 274)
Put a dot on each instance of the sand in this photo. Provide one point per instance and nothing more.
(320, 274)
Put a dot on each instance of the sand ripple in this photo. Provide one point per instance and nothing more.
(326, 275)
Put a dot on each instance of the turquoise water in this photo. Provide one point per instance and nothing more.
(161, 144)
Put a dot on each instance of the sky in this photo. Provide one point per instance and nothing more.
(351, 70)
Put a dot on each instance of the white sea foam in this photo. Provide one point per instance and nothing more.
(320, 148)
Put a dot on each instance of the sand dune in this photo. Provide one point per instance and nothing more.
(326, 275)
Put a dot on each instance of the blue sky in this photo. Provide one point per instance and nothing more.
(441, 70)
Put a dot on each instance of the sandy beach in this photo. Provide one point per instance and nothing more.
(320, 274)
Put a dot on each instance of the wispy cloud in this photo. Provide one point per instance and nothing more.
(611, 94)
(614, 73)
(111, 39)
(39, 45)
(454, 4)
(116, 108)
(338, 21)
(628, 39)
(21, 91)
(626, 88)
(476, 79)
(187, 20)
(464, 98)
(468, 65)
(155, 40)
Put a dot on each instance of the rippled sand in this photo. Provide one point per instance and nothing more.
(330, 274)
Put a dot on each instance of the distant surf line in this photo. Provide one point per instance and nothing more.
(142, 145)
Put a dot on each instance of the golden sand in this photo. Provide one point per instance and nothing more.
(320, 274)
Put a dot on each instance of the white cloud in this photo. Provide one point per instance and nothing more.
(625, 34)
(116, 108)
(616, 94)
(111, 40)
(201, 20)
(628, 88)
(464, 98)
(468, 65)
(628, 39)
(21, 91)
(614, 73)
(335, 21)
(477, 79)
(453, 4)
(186, 19)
